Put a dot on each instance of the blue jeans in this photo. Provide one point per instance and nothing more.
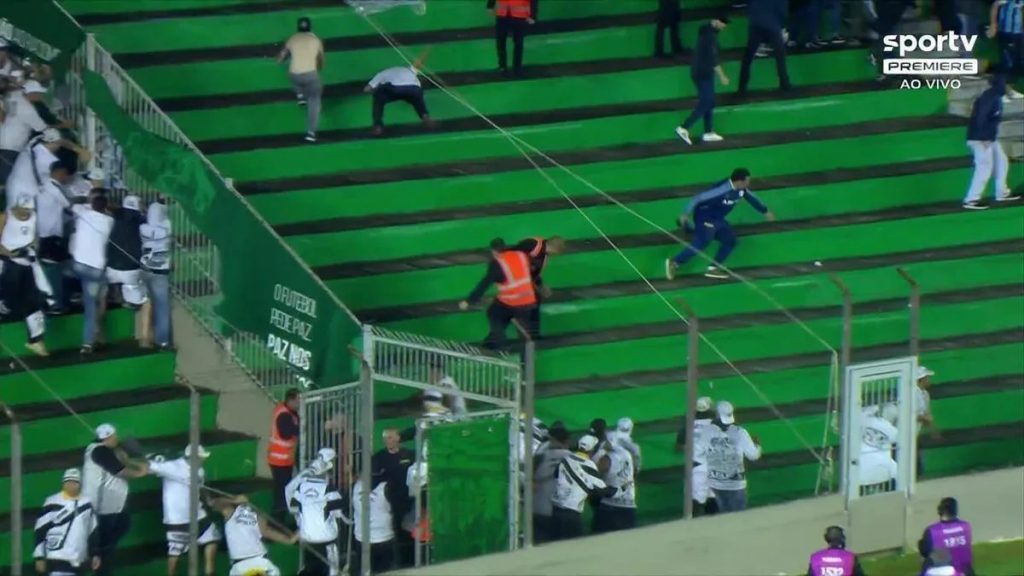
(705, 104)
(158, 286)
(731, 500)
(703, 234)
(93, 281)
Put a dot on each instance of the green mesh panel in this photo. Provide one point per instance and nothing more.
(469, 488)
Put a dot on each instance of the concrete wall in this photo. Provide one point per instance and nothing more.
(770, 540)
(243, 406)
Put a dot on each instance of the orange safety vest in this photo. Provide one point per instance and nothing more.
(513, 8)
(517, 289)
(422, 531)
(538, 248)
(281, 452)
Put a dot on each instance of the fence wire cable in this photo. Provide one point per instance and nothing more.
(518, 144)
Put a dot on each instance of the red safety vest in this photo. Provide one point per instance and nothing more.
(513, 8)
(281, 452)
(538, 249)
(517, 289)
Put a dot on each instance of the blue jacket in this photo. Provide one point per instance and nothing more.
(715, 203)
(987, 112)
(768, 14)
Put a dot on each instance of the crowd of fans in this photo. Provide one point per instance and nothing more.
(66, 236)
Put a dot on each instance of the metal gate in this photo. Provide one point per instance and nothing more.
(879, 450)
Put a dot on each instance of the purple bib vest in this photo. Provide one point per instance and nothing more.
(954, 536)
(832, 562)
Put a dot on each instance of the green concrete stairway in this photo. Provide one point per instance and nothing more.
(863, 178)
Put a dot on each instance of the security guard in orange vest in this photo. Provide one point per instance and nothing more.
(512, 17)
(284, 439)
(517, 295)
(538, 249)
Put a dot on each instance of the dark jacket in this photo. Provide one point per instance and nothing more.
(705, 56)
(669, 11)
(125, 246)
(768, 14)
(987, 112)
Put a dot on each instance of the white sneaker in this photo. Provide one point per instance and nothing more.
(1014, 94)
(683, 134)
(310, 137)
(1008, 197)
(714, 272)
(670, 269)
(711, 137)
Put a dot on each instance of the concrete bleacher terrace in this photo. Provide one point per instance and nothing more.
(862, 178)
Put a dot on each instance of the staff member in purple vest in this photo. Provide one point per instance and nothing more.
(834, 560)
(949, 533)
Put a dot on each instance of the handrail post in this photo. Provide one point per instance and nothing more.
(845, 353)
(366, 461)
(915, 312)
(16, 493)
(193, 487)
(692, 366)
(529, 369)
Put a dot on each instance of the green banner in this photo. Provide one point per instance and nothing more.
(468, 483)
(266, 290)
(41, 30)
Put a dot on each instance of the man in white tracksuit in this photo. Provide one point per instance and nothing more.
(244, 531)
(704, 502)
(728, 446)
(616, 464)
(317, 507)
(878, 436)
(67, 539)
(176, 476)
(623, 436)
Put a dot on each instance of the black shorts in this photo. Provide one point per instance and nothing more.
(53, 249)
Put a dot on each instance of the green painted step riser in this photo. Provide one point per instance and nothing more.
(723, 300)
(795, 203)
(505, 97)
(610, 177)
(260, 74)
(229, 461)
(335, 22)
(104, 377)
(264, 164)
(658, 402)
(775, 340)
(66, 432)
(800, 247)
(65, 332)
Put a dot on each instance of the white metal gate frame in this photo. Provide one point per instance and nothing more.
(904, 370)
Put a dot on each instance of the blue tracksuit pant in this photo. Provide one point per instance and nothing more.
(703, 234)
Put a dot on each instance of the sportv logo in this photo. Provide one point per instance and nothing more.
(906, 44)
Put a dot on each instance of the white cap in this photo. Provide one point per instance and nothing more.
(72, 475)
(587, 443)
(625, 426)
(3, 42)
(725, 413)
(923, 372)
(704, 404)
(104, 431)
(203, 452)
(433, 395)
(33, 87)
(25, 201)
(95, 174)
(51, 135)
(131, 202)
(326, 454)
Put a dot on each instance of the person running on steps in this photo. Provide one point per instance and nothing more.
(305, 53)
(703, 69)
(510, 271)
(708, 211)
(398, 83)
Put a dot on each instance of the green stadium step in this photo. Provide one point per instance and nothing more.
(505, 97)
(147, 529)
(420, 287)
(601, 137)
(65, 332)
(614, 178)
(241, 78)
(233, 457)
(141, 414)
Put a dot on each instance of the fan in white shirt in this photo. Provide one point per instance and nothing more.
(20, 285)
(398, 83)
(89, 259)
(177, 480)
(32, 166)
(244, 531)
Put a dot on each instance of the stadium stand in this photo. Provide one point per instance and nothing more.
(863, 178)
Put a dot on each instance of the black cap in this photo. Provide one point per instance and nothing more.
(498, 244)
(723, 18)
(739, 174)
(598, 426)
(948, 506)
(835, 536)
(304, 24)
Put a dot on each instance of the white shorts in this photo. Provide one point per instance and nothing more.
(254, 567)
(178, 541)
(132, 289)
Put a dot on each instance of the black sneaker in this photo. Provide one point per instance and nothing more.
(837, 40)
(310, 137)
(86, 350)
(975, 206)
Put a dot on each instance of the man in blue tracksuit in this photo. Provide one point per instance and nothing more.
(708, 211)
(1007, 27)
(982, 139)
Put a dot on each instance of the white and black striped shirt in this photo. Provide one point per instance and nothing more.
(66, 530)
(317, 508)
(577, 478)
